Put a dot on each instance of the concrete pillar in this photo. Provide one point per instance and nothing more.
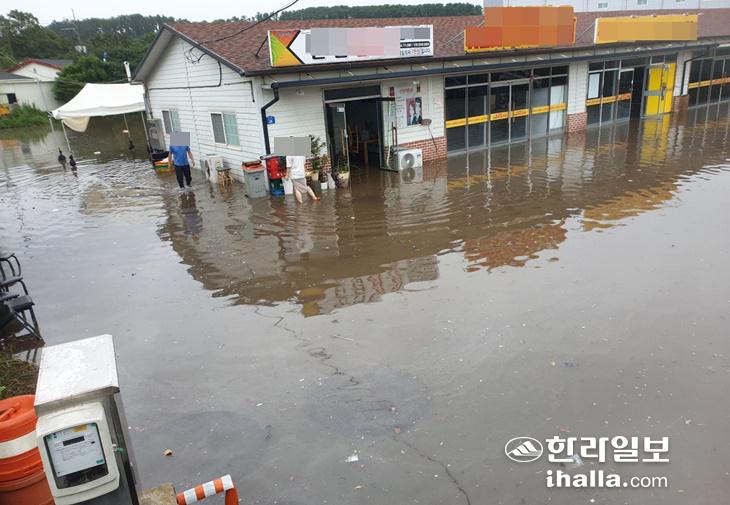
(577, 91)
(680, 101)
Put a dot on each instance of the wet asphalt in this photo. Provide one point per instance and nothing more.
(571, 286)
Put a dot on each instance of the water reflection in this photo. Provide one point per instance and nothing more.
(495, 209)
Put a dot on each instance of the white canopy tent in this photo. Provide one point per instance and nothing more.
(100, 100)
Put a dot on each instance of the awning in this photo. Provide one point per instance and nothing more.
(100, 100)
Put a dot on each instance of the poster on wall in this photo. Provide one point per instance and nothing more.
(408, 105)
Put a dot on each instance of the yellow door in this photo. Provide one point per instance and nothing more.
(659, 89)
(652, 95)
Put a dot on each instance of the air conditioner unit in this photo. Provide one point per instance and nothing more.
(212, 163)
(407, 159)
(411, 175)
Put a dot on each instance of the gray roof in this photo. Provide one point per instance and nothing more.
(6, 76)
(60, 63)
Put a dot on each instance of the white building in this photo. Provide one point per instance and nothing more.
(31, 83)
(219, 82)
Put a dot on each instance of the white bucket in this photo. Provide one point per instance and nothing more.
(324, 185)
(288, 186)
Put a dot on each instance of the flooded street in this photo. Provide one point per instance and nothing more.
(572, 286)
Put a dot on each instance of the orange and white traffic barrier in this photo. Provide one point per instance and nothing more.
(203, 491)
(22, 479)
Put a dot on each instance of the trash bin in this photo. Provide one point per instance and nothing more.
(255, 181)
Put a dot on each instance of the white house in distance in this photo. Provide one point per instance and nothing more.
(31, 83)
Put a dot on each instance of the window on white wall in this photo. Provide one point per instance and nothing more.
(171, 119)
(603, 5)
(225, 130)
(642, 2)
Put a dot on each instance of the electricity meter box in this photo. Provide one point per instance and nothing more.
(81, 430)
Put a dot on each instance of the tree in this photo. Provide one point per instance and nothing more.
(85, 69)
(21, 36)
(383, 11)
(131, 26)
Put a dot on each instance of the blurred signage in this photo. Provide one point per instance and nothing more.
(636, 28)
(510, 27)
(332, 45)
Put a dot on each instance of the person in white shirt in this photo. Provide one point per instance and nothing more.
(295, 171)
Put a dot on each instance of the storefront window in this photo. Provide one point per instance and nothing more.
(477, 107)
(455, 118)
(558, 99)
(625, 89)
(504, 106)
(716, 78)
(608, 94)
(593, 100)
(540, 106)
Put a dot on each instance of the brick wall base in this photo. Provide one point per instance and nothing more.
(430, 151)
(576, 122)
(680, 102)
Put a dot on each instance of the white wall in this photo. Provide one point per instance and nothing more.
(301, 111)
(577, 86)
(36, 71)
(682, 57)
(197, 95)
(37, 94)
(432, 94)
(298, 112)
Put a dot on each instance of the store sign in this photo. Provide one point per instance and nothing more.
(644, 28)
(333, 45)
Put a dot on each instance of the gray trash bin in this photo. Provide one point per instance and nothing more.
(255, 181)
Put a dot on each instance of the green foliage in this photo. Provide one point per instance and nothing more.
(85, 69)
(17, 377)
(21, 36)
(318, 160)
(383, 11)
(23, 115)
(129, 26)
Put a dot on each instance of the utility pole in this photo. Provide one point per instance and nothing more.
(76, 27)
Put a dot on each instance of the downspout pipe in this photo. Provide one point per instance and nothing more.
(264, 124)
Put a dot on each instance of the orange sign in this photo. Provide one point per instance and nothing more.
(521, 27)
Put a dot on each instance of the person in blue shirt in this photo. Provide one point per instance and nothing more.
(179, 156)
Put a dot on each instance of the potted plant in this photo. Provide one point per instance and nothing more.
(318, 160)
(343, 171)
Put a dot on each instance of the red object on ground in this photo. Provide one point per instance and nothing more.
(22, 479)
(274, 167)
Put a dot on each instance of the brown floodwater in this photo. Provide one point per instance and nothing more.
(571, 286)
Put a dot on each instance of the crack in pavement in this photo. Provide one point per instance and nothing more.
(443, 465)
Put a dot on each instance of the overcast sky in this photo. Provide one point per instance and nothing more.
(47, 11)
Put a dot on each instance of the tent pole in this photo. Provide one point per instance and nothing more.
(68, 144)
(126, 125)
